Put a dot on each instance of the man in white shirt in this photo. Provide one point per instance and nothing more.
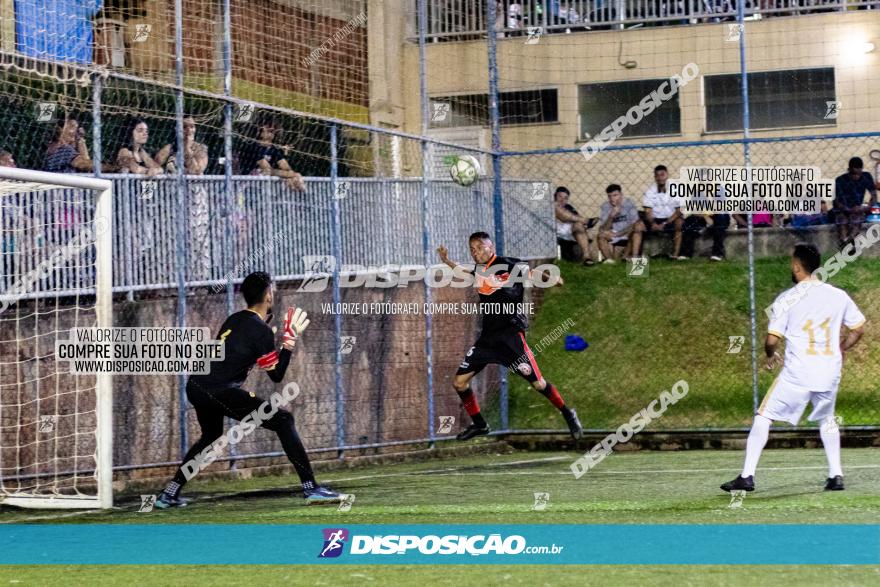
(662, 214)
(809, 316)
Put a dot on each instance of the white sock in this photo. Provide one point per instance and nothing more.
(830, 433)
(757, 439)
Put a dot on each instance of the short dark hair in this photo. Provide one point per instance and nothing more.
(856, 163)
(479, 236)
(613, 188)
(562, 189)
(254, 287)
(808, 256)
(660, 168)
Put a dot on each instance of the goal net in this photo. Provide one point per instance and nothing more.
(55, 274)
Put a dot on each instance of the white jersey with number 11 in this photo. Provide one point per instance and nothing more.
(811, 328)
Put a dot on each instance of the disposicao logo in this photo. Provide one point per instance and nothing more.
(334, 540)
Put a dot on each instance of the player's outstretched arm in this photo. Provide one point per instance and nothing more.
(460, 271)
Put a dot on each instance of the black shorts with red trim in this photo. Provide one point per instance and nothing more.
(508, 348)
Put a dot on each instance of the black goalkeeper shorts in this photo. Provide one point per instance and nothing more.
(508, 348)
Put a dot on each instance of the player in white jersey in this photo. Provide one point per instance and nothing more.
(809, 316)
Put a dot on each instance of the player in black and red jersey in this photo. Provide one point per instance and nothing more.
(248, 340)
(502, 339)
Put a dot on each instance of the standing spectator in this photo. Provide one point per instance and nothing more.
(68, 153)
(570, 225)
(134, 157)
(195, 154)
(195, 161)
(266, 158)
(662, 215)
(849, 200)
(617, 221)
(6, 159)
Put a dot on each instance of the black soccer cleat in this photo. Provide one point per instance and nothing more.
(165, 501)
(834, 483)
(740, 483)
(473, 431)
(574, 425)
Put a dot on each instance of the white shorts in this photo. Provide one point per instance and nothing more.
(786, 402)
(563, 231)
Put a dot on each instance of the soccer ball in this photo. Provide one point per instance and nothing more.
(465, 170)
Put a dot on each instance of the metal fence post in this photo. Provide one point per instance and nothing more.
(227, 259)
(182, 212)
(747, 160)
(97, 130)
(228, 251)
(336, 236)
(426, 220)
(497, 201)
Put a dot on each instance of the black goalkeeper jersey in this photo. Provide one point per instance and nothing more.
(500, 301)
(246, 340)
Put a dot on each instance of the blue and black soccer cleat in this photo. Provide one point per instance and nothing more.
(320, 495)
(165, 500)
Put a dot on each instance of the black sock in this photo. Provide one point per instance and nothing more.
(173, 488)
(282, 424)
(478, 420)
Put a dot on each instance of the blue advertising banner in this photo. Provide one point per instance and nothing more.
(441, 544)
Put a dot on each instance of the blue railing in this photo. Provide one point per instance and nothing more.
(273, 228)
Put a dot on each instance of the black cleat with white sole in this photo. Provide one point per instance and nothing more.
(740, 483)
(473, 431)
(834, 483)
(574, 425)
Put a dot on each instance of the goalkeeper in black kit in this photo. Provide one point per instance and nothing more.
(248, 340)
(502, 339)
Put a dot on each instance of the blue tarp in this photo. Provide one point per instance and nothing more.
(57, 30)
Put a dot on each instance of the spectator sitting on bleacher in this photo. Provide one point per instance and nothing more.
(849, 200)
(195, 154)
(802, 220)
(133, 157)
(68, 153)
(570, 225)
(617, 220)
(761, 220)
(662, 214)
(6, 159)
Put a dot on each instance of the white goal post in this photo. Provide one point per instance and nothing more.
(56, 235)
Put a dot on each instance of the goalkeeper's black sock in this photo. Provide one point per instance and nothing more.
(283, 425)
(173, 488)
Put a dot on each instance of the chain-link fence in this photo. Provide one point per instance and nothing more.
(648, 327)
